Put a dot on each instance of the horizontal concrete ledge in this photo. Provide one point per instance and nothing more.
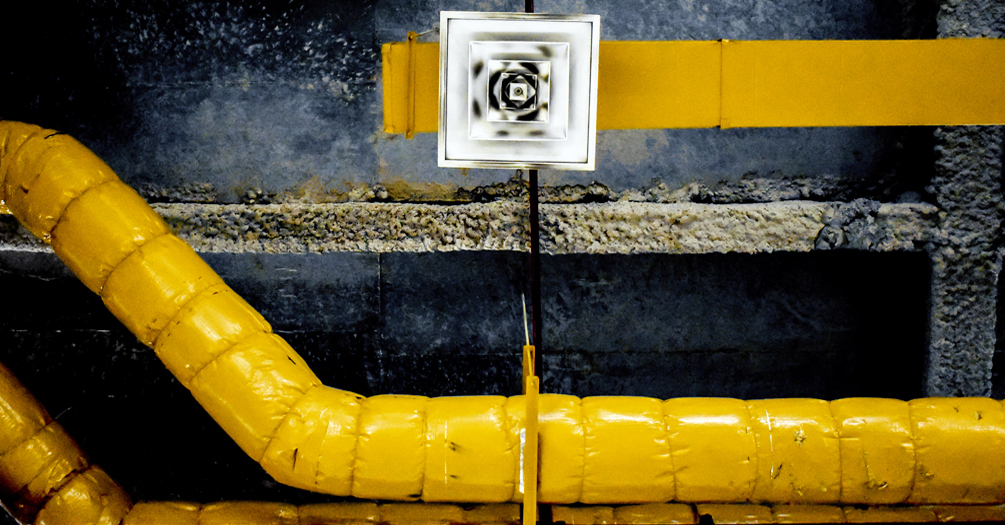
(617, 227)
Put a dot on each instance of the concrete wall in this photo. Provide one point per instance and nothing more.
(257, 127)
(280, 101)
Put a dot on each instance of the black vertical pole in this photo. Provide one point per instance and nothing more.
(535, 270)
(535, 254)
(543, 511)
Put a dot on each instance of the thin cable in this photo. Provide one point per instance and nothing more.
(535, 269)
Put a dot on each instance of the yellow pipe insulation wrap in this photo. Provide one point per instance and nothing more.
(598, 450)
(44, 477)
(46, 480)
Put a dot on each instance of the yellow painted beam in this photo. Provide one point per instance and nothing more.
(658, 85)
(863, 83)
(771, 83)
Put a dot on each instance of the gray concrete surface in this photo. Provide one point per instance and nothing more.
(281, 102)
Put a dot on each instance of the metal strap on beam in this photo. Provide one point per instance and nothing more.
(772, 83)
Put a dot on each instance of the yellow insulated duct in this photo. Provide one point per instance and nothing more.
(599, 450)
(44, 477)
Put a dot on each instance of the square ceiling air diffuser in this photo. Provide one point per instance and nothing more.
(518, 90)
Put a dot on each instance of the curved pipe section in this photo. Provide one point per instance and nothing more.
(44, 476)
(600, 450)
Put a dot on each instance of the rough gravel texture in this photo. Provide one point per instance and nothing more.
(966, 250)
(618, 227)
(622, 227)
(966, 259)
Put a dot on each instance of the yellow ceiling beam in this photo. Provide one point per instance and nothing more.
(770, 83)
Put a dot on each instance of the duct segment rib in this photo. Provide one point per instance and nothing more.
(101, 228)
(314, 445)
(914, 450)
(837, 437)
(48, 175)
(757, 452)
(19, 160)
(285, 420)
(352, 456)
(669, 452)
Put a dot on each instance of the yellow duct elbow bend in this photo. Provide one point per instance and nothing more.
(602, 450)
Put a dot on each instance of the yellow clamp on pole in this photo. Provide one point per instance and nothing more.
(531, 389)
(410, 130)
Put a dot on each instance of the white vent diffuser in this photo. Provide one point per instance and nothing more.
(518, 90)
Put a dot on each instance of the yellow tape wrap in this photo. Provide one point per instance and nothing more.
(583, 515)
(148, 289)
(163, 513)
(239, 512)
(250, 389)
(314, 446)
(469, 453)
(877, 450)
(627, 453)
(807, 514)
(798, 458)
(432, 513)
(63, 171)
(352, 513)
(101, 228)
(946, 513)
(206, 327)
(20, 415)
(960, 450)
(501, 513)
(561, 446)
(91, 497)
(342, 514)
(22, 166)
(36, 454)
(722, 513)
(889, 515)
(12, 136)
(391, 454)
(612, 450)
(562, 449)
(50, 453)
(713, 446)
(654, 513)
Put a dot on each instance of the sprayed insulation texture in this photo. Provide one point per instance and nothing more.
(966, 250)
(622, 227)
